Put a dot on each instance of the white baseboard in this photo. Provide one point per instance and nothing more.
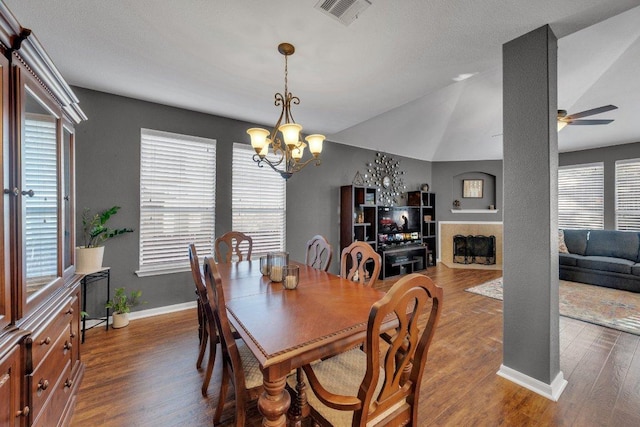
(550, 391)
(162, 310)
(147, 313)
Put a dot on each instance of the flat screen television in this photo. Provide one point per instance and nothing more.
(398, 225)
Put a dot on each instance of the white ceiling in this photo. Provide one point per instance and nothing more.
(384, 82)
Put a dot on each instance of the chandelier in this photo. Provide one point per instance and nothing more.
(288, 150)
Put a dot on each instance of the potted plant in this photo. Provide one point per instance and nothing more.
(95, 233)
(121, 304)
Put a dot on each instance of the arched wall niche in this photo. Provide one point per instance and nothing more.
(488, 196)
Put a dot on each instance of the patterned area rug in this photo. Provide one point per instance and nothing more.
(607, 307)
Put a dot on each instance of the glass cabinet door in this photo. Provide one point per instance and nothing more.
(40, 188)
(5, 269)
(68, 228)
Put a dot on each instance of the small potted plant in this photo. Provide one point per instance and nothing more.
(121, 304)
(95, 231)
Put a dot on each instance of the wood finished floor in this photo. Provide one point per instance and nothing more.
(144, 375)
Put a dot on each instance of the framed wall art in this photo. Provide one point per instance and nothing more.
(472, 188)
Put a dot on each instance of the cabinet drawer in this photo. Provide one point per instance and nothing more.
(49, 415)
(44, 338)
(50, 371)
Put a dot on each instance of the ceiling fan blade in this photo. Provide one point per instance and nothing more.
(590, 122)
(591, 112)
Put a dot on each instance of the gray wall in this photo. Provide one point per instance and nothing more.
(608, 156)
(446, 182)
(107, 166)
(107, 174)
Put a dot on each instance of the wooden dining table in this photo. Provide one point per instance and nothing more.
(286, 329)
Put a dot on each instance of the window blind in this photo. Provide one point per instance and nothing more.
(259, 202)
(581, 196)
(628, 195)
(40, 174)
(177, 200)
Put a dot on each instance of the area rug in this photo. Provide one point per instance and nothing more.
(607, 307)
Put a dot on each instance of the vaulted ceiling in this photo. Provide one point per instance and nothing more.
(383, 82)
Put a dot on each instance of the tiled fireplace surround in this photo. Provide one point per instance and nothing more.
(448, 229)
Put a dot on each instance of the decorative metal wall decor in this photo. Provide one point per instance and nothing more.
(384, 173)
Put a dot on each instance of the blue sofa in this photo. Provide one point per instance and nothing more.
(602, 257)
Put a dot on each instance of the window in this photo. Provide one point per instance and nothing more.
(628, 195)
(177, 200)
(259, 202)
(581, 196)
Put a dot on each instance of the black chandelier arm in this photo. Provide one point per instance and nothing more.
(259, 160)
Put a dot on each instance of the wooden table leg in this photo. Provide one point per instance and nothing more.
(299, 408)
(274, 402)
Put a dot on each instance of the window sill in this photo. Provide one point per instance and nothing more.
(161, 271)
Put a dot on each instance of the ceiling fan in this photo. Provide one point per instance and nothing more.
(564, 119)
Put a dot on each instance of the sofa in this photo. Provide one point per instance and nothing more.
(601, 257)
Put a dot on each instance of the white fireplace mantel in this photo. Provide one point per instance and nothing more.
(474, 211)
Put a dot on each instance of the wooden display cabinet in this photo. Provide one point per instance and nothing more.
(427, 203)
(40, 367)
(358, 215)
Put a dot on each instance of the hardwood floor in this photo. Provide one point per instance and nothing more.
(145, 375)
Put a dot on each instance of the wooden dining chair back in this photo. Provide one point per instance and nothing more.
(233, 246)
(384, 380)
(239, 364)
(360, 263)
(206, 322)
(319, 253)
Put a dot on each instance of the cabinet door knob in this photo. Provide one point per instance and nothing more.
(45, 341)
(68, 383)
(43, 384)
(72, 335)
(67, 345)
(70, 311)
(24, 412)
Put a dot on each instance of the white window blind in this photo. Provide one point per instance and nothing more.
(177, 200)
(259, 202)
(581, 196)
(628, 195)
(40, 174)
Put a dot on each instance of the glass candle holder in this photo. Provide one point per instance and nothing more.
(277, 262)
(291, 276)
(264, 265)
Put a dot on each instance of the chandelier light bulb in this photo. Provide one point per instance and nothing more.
(291, 133)
(298, 151)
(258, 138)
(315, 143)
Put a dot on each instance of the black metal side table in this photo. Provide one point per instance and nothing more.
(91, 277)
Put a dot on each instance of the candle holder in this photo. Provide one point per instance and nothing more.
(277, 261)
(264, 265)
(291, 276)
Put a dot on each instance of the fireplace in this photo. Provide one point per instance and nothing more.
(474, 249)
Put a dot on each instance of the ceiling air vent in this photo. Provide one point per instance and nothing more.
(345, 11)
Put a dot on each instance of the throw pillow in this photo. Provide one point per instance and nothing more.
(562, 247)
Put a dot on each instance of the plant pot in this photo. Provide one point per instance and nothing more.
(89, 260)
(120, 320)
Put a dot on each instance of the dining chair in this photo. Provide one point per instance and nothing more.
(354, 262)
(239, 364)
(206, 322)
(319, 253)
(380, 385)
(226, 248)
